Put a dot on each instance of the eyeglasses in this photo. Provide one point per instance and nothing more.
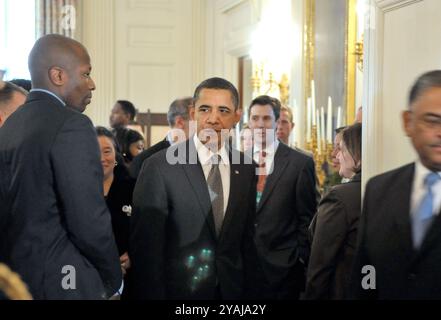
(431, 122)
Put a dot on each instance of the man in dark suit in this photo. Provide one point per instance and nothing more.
(192, 223)
(286, 202)
(399, 245)
(11, 97)
(178, 118)
(55, 229)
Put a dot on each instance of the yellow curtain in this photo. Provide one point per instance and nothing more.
(56, 16)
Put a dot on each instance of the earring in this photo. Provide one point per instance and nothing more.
(116, 163)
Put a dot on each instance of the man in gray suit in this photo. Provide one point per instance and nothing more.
(286, 202)
(55, 229)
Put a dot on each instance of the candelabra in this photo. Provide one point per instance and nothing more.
(322, 153)
(264, 82)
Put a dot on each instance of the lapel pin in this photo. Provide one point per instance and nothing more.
(127, 210)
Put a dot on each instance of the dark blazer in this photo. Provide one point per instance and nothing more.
(284, 213)
(174, 248)
(136, 165)
(119, 200)
(52, 211)
(385, 242)
(334, 231)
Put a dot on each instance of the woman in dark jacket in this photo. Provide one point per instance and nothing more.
(334, 228)
(118, 190)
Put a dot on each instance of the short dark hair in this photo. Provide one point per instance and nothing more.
(219, 84)
(128, 108)
(263, 101)
(23, 83)
(179, 107)
(424, 82)
(7, 89)
(351, 137)
(104, 132)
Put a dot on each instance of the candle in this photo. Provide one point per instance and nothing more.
(339, 118)
(313, 103)
(329, 124)
(319, 138)
(308, 121)
(322, 124)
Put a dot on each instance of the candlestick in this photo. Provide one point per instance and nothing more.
(313, 103)
(319, 138)
(322, 125)
(308, 121)
(329, 124)
(339, 117)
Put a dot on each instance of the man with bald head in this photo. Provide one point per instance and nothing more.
(55, 229)
(11, 97)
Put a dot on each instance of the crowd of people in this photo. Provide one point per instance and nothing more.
(89, 213)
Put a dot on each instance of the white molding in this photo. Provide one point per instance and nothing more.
(373, 122)
(198, 41)
(99, 38)
(389, 5)
(226, 5)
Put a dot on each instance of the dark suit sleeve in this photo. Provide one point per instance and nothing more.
(306, 205)
(78, 180)
(148, 234)
(361, 258)
(330, 231)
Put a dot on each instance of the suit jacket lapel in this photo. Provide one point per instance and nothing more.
(431, 237)
(400, 206)
(279, 164)
(196, 178)
(233, 196)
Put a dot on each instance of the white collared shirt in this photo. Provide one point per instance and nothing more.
(205, 155)
(419, 189)
(270, 153)
(49, 92)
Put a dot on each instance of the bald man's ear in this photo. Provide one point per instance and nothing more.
(57, 76)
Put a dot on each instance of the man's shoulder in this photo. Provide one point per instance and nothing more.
(295, 154)
(392, 175)
(164, 144)
(304, 152)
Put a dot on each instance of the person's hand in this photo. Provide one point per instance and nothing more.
(125, 262)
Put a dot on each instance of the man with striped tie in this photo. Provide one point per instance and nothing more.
(286, 202)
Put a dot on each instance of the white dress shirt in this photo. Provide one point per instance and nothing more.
(419, 190)
(269, 159)
(205, 155)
